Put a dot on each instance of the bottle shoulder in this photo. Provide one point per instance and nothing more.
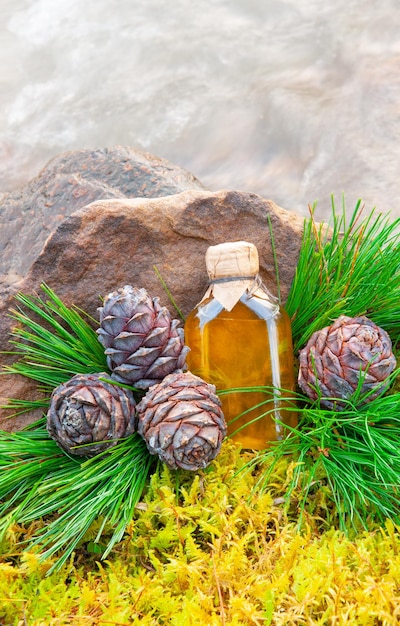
(246, 308)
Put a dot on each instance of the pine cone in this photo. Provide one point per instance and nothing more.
(338, 356)
(182, 422)
(142, 342)
(86, 410)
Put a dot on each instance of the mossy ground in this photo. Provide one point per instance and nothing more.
(203, 551)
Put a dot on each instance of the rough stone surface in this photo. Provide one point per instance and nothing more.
(110, 243)
(70, 181)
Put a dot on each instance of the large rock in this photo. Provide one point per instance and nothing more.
(69, 182)
(110, 243)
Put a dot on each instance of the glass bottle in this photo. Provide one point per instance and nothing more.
(239, 338)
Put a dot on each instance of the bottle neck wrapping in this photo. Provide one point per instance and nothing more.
(229, 289)
(230, 279)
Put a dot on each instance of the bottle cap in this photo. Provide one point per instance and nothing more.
(232, 269)
(237, 259)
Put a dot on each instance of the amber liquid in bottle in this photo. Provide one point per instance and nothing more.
(251, 345)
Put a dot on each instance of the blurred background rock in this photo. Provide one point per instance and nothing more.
(293, 100)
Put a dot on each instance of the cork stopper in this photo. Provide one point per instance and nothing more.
(232, 269)
(232, 259)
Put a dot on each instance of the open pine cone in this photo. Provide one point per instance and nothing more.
(182, 422)
(141, 341)
(337, 357)
(86, 410)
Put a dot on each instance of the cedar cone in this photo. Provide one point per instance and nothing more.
(182, 422)
(142, 343)
(338, 357)
(86, 410)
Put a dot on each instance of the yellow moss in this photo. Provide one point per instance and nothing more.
(202, 550)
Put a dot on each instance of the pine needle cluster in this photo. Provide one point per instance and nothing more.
(345, 269)
(38, 480)
(348, 267)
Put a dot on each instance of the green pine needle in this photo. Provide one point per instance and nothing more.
(169, 294)
(354, 452)
(351, 268)
(347, 269)
(37, 480)
(52, 342)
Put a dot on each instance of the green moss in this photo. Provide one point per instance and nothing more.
(204, 549)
